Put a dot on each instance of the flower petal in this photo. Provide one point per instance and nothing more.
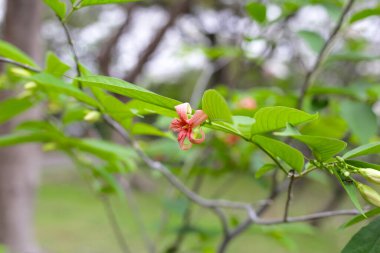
(176, 125)
(181, 140)
(198, 118)
(196, 141)
(183, 110)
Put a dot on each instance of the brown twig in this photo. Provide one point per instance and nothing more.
(18, 64)
(289, 195)
(114, 224)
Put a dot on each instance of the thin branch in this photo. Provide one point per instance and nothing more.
(223, 220)
(155, 165)
(72, 47)
(289, 195)
(110, 214)
(309, 217)
(114, 224)
(157, 38)
(138, 219)
(18, 64)
(186, 220)
(229, 236)
(312, 73)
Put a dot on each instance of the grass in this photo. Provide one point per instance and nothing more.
(70, 218)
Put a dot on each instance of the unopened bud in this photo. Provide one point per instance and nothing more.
(247, 103)
(346, 173)
(371, 174)
(20, 72)
(92, 116)
(50, 146)
(30, 86)
(369, 194)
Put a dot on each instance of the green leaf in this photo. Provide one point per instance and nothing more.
(113, 107)
(360, 118)
(278, 149)
(109, 180)
(214, 105)
(367, 149)
(351, 190)
(11, 107)
(323, 148)
(364, 14)
(351, 56)
(366, 240)
(20, 138)
(54, 66)
(52, 83)
(129, 90)
(58, 7)
(145, 129)
(142, 108)
(243, 124)
(361, 164)
(269, 119)
(9, 51)
(312, 39)
(257, 11)
(98, 2)
(224, 127)
(264, 169)
(73, 114)
(104, 150)
(360, 217)
(329, 126)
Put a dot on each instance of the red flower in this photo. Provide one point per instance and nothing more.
(184, 126)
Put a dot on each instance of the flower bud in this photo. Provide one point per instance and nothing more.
(50, 146)
(30, 86)
(20, 72)
(92, 116)
(369, 194)
(247, 103)
(346, 173)
(371, 174)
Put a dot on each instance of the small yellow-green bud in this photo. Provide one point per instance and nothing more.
(50, 146)
(371, 174)
(30, 86)
(54, 107)
(369, 194)
(20, 72)
(92, 116)
(346, 173)
(340, 159)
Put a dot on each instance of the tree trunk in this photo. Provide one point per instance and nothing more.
(19, 166)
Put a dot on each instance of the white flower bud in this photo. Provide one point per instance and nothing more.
(371, 174)
(369, 194)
